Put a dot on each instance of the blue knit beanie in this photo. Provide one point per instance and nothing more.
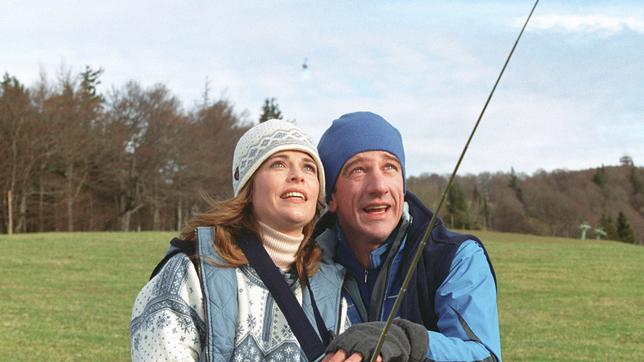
(354, 133)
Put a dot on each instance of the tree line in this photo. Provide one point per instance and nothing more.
(134, 158)
(609, 199)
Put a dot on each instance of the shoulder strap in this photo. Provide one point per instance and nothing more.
(176, 246)
(258, 258)
(324, 332)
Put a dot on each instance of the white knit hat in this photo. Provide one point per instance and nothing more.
(266, 139)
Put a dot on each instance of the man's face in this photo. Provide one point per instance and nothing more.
(369, 197)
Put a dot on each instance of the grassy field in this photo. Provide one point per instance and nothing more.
(68, 296)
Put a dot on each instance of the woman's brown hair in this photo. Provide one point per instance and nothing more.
(231, 216)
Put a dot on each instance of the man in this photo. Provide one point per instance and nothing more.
(373, 228)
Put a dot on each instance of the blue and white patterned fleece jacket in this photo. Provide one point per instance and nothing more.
(168, 317)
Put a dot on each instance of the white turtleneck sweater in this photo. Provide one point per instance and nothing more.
(161, 334)
(280, 247)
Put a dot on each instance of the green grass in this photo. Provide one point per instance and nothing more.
(68, 296)
(568, 300)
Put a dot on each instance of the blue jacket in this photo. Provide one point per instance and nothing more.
(220, 290)
(452, 293)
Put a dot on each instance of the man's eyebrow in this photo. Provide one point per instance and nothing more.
(393, 158)
(351, 163)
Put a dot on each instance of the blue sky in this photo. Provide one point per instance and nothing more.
(571, 98)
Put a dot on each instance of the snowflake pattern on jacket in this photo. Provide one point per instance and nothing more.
(168, 318)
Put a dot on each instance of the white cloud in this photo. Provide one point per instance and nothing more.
(603, 24)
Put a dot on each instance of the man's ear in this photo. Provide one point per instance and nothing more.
(332, 206)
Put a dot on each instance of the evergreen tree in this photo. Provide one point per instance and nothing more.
(607, 224)
(514, 185)
(599, 178)
(457, 207)
(626, 160)
(487, 214)
(624, 231)
(90, 80)
(270, 110)
(477, 209)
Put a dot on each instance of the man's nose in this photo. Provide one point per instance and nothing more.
(377, 183)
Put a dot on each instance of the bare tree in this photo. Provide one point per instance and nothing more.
(23, 142)
(207, 159)
(144, 127)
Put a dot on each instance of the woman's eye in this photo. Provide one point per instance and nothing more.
(278, 164)
(309, 168)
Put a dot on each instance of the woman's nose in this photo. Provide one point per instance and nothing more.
(296, 175)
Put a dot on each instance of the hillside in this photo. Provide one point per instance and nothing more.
(545, 203)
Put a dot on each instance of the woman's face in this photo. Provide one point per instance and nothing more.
(285, 191)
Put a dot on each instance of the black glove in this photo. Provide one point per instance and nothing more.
(405, 341)
(418, 338)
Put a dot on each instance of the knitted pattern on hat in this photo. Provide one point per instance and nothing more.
(266, 139)
(354, 133)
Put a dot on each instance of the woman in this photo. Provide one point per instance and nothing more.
(213, 305)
